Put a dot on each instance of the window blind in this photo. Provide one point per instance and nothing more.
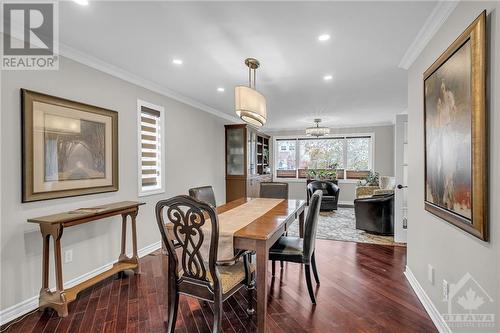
(150, 149)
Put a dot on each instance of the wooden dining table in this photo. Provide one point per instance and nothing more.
(259, 236)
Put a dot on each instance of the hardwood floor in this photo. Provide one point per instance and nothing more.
(362, 290)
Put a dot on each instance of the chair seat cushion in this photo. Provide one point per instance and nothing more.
(231, 275)
(290, 248)
(328, 198)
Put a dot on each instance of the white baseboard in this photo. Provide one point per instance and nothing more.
(31, 303)
(431, 309)
(346, 203)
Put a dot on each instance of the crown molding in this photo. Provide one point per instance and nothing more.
(433, 23)
(102, 66)
(291, 129)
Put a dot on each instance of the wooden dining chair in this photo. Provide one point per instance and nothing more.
(192, 272)
(298, 250)
(203, 193)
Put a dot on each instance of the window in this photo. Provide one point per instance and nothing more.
(151, 171)
(350, 155)
(285, 159)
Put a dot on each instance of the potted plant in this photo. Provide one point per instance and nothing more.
(372, 179)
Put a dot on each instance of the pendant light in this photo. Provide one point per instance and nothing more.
(317, 131)
(250, 105)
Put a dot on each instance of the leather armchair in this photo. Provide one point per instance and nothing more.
(375, 214)
(330, 192)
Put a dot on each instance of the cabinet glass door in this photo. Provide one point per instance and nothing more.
(235, 154)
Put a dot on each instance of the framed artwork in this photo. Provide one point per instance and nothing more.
(69, 148)
(456, 135)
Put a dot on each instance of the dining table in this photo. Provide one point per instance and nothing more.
(259, 235)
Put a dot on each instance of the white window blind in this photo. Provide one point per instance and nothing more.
(151, 150)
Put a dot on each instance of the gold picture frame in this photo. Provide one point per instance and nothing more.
(68, 148)
(455, 133)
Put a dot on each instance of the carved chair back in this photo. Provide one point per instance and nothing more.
(188, 218)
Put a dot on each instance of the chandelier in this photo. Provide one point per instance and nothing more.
(250, 105)
(317, 131)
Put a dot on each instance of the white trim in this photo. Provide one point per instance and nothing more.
(125, 75)
(162, 136)
(272, 130)
(433, 23)
(346, 203)
(31, 303)
(431, 309)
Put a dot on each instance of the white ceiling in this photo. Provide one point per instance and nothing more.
(213, 39)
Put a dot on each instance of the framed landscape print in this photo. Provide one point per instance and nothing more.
(69, 148)
(456, 132)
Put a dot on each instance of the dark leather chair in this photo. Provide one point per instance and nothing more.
(190, 272)
(203, 193)
(330, 192)
(375, 214)
(298, 250)
(274, 190)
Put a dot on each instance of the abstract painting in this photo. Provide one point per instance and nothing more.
(69, 148)
(455, 132)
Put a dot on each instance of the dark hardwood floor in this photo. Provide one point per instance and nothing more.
(362, 290)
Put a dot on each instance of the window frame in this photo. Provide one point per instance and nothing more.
(161, 134)
(371, 160)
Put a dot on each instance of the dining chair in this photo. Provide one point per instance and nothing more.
(298, 250)
(203, 193)
(192, 271)
(274, 190)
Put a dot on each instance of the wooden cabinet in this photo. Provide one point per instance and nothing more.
(247, 161)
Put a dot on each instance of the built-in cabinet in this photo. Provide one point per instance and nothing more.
(247, 161)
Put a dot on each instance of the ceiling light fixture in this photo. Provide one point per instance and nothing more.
(250, 105)
(327, 77)
(323, 38)
(81, 2)
(317, 131)
(177, 61)
(220, 89)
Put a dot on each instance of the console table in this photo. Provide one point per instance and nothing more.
(53, 225)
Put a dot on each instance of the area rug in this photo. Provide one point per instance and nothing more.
(341, 225)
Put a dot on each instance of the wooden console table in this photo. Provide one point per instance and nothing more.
(53, 225)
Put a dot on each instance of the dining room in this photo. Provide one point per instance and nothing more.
(238, 166)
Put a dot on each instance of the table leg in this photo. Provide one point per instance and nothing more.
(45, 264)
(134, 241)
(262, 257)
(301, 224)
(124, 236)
(57, 299)
(123, 255)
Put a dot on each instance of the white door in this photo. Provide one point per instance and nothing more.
(401, 168)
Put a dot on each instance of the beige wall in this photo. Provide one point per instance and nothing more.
(194, 156)
(451, 251)
(383, 158)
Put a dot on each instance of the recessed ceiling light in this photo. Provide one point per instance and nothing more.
(81, 2)
(324, 37)
(220, 89)
(177, 61)
(327, 77)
